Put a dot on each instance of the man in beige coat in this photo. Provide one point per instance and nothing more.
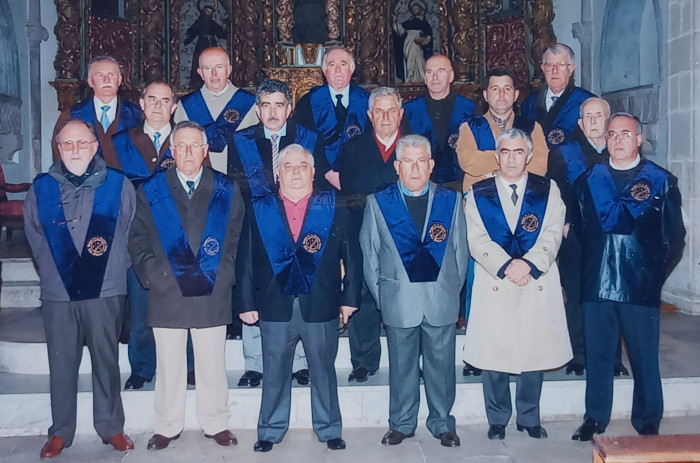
(517, 323)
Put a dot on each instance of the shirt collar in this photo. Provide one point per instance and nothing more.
(550, 93)
(183, 179)
(634, 164)
(111, 112)
(406, 192)
(228, 84)
(305, 198)
(520, 184)
(280, 133)
(151, 132)
(345, 93)
(387, 143)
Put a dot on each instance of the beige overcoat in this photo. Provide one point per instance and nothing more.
(515, 329)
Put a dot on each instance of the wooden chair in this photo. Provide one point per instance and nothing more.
(673, 448)
(11, 215)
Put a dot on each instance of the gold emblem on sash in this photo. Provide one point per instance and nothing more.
(211, 246)
(556, 136)
(97, 246)
(312, 243)
(353, 130)
(452, 141)
(232, 116)
(640, 191)
(438, 232)
(167, 163)
(530, 222)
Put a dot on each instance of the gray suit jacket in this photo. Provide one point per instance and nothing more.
(404, 304)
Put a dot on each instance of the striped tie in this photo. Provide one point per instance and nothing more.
(275, 157)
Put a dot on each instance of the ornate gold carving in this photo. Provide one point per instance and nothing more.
(350, 26)
(245, 41)
(66, 91)
(151, 46)
(372, 54)
(310, 52)
(285, 20)
(67, 30)
(443, 26)
(114, 38)
(300, 80)
(175, 8)
(333, 19)
(465, 35)
(268, 33)
(542, 14)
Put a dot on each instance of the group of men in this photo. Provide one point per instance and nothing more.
(349, 205)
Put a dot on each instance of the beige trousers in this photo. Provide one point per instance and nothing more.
(171, 379)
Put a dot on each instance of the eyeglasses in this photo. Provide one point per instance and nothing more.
(559, 66)
(625, 135)
(291, 167)
(81, 145)
(182, 147)
(422, 163)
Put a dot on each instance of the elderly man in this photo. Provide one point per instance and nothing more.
(517, 324)
(366, 165)
(183, 245)
(292, 285)
(77, 218)
(219, 106)
(437, 115)
(254, 164)
(636, 213)
(556, 105)
(415, 261)
(349, 102)
(106, 111)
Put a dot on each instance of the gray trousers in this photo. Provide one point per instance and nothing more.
(98, 322)
(321, 345)
(252, 351)
(528, 387)
(437, 344)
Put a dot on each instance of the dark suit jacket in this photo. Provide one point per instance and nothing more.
(167, 307)
(259, 289)
(235, 167)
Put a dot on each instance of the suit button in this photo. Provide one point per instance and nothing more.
(545, 248)
(495, 288)
(540, 288)
(486, 254)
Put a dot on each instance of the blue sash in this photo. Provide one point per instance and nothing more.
(295, 266)
(323, 110)
(617, 213)
(566, 118)
(517, 244)
(82, 274)
(129, 116)
(421, 259)
(248, 153)
(228, 121)
(446, 164)
(575, 160)
(195, 275)
(131, 160)
(483, 135)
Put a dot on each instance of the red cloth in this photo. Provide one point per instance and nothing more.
(386, 153)
(295, 213)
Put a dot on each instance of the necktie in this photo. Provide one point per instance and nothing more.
(104, 119)
(341, 112)
(554, 100)
(514, 196)
(156, 141)
(275, 157)
(190, 185)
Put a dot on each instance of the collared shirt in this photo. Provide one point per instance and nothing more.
(406, 192)
(183, 179)
(519, 185)
(386, 147)
(280, 133)
(228, 82)
(345, 93)
(151, 132)
(295, 212)
(634, 163)
(599, 149)
(111, 112)
(548, 97)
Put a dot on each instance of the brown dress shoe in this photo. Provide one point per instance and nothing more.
(224, 438)
(121, 442)
(54, 446)
(159, 441)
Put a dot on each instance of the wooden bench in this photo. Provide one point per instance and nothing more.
(674, 448)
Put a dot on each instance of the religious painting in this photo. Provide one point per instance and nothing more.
(203, 24)
(414, 26)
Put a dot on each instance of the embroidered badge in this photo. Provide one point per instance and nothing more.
(353, 130)
(211, 246)
(452, 141)
(641, 191)
(312, 243)
(167, 163)
(97, 246)
(556, 136)
(232, 116)
(438, 232)
(530, 222)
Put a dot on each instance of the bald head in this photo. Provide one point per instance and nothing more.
(214, 68)
(438, 76)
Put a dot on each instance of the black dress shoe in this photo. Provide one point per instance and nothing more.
(536, 432)
(302, 377)
(470, 370)
(575, 368)
(394, 437)
(262, 446)
(159, 441)
(621, 370)
(497, 432)
(135, 382)
(336, 444)
(449, 439)
(649, 430)
(190, 378)
(586, 430)
(250, 378)
(359, 374)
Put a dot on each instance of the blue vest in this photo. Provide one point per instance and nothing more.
(446, 164)
(228, 121)
(129, 115)
(483, 135)
(133, 164)
(82, 273)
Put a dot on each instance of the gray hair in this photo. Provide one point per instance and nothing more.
(514, 134)
(187, 125)
(76, 121)
(623, 114)
(557, 49)
(270, 86)
(591, 100)
(295, 147)
(416, 141)
(159, 82)
(324, 65)
(101, 59)
(380, 92)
